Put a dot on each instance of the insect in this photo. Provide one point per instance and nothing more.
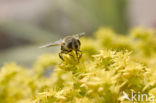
(68, 44)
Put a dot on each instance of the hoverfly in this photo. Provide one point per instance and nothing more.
(68, 44)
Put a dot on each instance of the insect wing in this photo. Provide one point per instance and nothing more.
(56, 43)
(80, 35)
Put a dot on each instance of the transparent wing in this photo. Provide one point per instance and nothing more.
(79, 35)
(56, 43)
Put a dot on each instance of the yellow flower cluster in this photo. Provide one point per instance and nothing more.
(110, 64)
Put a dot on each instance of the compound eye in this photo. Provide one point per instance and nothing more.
(69, 45)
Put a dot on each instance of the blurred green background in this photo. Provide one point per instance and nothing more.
(27, 24)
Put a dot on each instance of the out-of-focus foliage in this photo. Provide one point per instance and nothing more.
(85, 15)
(110, 64)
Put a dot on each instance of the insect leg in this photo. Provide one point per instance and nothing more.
(65, 52)
(61, 57)
(78, 55)
(70, 54)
